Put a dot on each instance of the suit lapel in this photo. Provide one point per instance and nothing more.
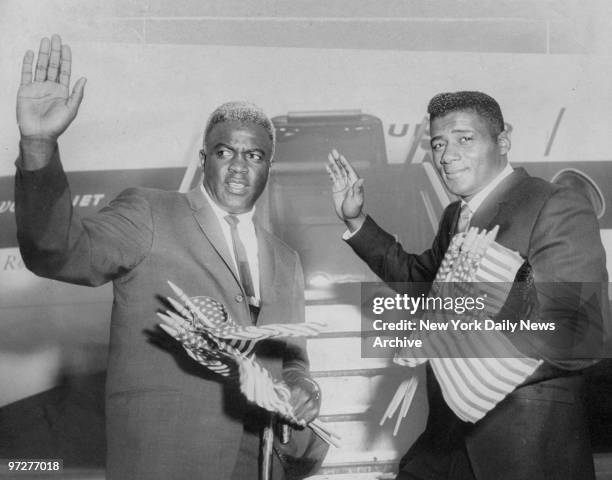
(267, 256)
(209, 224)
(489, 211)
(267, 268)
(454, 210)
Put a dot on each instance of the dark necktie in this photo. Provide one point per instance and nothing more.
(464, 219)
(241, 259)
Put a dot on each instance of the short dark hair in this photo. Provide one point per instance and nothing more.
(477, 102)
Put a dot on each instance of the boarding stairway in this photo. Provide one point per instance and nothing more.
(356, 392)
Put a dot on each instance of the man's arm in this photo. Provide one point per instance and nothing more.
(305, 392)
(54, 242)
(387, 258)
(380, 250)
(569, 271)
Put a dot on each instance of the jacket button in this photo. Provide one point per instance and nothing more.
(239, 298)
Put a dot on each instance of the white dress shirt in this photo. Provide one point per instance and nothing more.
(481, 196)
(246, 230)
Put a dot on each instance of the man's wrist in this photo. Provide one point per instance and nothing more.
(353, 224)
(293, 375)
(311, 388)
(35, 152)
(301, 379)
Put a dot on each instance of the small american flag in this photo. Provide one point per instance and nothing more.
(210, 336)
(475, 370)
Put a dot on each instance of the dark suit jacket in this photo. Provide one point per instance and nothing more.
(555, 230)
(166, 416)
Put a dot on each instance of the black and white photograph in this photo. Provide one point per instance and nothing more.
(323, 240)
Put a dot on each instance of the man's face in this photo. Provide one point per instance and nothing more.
(467, 156)
(236, 164)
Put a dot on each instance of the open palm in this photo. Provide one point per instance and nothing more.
(347, 187)
(45, 107)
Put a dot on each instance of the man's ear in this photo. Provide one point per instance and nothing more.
(503, 142)
(202, 158)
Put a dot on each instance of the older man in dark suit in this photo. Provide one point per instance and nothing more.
(167, 417)
(538, 431)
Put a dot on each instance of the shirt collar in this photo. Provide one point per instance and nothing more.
(480, 197)
(221, 214)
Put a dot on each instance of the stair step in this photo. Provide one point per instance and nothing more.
(356, 475)
(365, 440)
(341, 354)
(338, 318)
(355, 395)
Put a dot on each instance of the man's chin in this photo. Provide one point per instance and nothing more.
(454, 189)
(236, 210)
(457, 189)
(238, 205)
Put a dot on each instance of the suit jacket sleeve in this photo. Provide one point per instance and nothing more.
(569, 270)
(56, 243)
(386, 257)
(295, 359)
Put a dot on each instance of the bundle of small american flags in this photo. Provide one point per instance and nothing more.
(213, 339)
(475, 370)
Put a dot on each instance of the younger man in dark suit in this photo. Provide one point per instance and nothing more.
(166, 418)
(538, 431)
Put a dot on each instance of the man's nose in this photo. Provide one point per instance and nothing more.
(238, 163)
(450, 154)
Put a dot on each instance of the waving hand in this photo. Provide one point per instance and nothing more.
(45, 107)
(347, 190)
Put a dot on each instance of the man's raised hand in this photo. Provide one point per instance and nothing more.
(347, 190)
(45, 107)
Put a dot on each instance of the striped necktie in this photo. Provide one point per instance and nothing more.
(242, 261)
(464, 219)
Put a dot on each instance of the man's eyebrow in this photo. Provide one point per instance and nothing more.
(454, 130)
(221, 144)
(254, 149)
